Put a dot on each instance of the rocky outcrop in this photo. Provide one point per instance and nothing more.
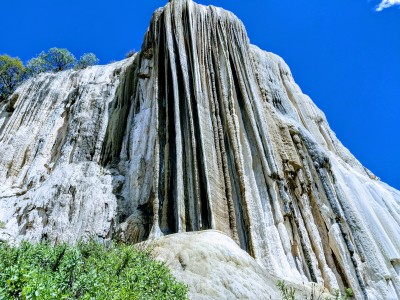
(52, 185)
(200, 130)
(214, 266)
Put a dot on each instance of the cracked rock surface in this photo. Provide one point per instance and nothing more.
(199, 130)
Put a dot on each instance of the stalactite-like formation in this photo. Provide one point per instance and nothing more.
(232, 150)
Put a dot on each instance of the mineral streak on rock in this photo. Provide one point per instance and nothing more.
(199, 130)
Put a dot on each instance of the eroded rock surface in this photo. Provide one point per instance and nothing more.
(52, 185)
(214, 267)
(200, 130)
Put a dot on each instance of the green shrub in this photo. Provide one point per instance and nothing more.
(348, 294)
(87, 60)
(12, 72)
(87, 271)
(2, 225)
(316, 293)
(54, 60)
(287, 293)
(130, 53)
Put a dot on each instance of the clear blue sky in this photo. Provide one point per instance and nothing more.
(342, 53)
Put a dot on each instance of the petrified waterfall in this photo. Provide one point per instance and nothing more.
(199, 130)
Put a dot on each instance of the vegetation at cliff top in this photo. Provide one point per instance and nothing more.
(11, 74)
(86, 60)
(59, 59)
(130, 53)
(13, 71)
(87, 271)
(54, 60)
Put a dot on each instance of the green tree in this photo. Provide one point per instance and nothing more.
(55, 60)
(37, 65)
(12, 72)
(87, 60)
(59, 59)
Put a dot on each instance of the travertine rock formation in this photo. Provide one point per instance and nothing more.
(200, 130)
(214, 266)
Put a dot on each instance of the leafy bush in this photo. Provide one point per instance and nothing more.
(2, 225)
(12, 72)
(289, 293)
(87, 271)
(37, 64)
(55, 60)
(130, 53)
(60, 59)
(87, 60)
(348, 295)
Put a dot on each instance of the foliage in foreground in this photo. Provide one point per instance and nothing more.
(87, 271)
(289, 293)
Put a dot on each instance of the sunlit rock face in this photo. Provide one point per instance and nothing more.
(52, 185)
(214, 267)
(200, 130)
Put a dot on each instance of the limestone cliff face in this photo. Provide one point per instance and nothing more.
(199, 130)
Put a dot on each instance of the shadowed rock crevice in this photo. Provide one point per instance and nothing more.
(119, 111)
